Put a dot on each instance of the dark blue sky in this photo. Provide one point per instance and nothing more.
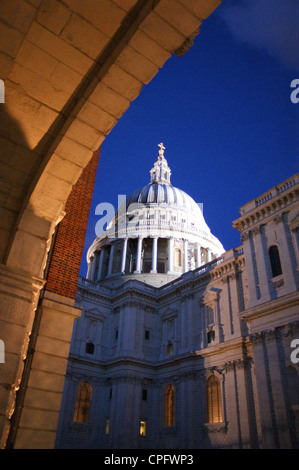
(223, 112)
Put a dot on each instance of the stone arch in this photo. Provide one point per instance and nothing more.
(71, 70)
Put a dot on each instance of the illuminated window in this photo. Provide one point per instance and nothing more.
(214, 400)
(107, 428)
(275, 260)
(83, 400)
(142, 429)
(168, 406)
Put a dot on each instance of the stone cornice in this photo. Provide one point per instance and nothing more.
(270, 307)
(284, 331)
(270, 205)
(20, 284)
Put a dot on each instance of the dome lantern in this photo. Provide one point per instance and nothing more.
(161, 172)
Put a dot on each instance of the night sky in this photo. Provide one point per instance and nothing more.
(223, 112)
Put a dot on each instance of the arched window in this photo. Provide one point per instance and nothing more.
(83, 400)
(211, 336)
(214, 400)
(168, 406)
(275, 260)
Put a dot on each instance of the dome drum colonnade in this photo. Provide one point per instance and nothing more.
(164, 260)
(161, 230)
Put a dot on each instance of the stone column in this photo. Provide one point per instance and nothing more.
(263, 264)
(288, 270)
(267, 422)
(39, 412)
(277, 391)
(19, 294)
(93, 266)
(198, 251)
(244, 411)
(154, 255)
(185, 256)
(88, 274)
(124, 256)
(139, 251)
(99, 276)
(111, 259)
(233, 403)
(170, 255)
(253, 289)
(94, 263)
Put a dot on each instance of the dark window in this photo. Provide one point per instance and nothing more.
(89, 348)
(116, 334)
(275, 260)
(110, 393)
(144, 394)
(169, 349)
(211, 336)
(146, 334)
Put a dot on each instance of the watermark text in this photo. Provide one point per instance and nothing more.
(2, 352)
(295, 93)
(2, 92)
(295, 353)
(126, 217)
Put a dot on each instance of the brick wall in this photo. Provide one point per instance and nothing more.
(65, 259)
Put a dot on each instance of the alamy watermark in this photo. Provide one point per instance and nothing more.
(2, 352)
(295, 93)
(2, 92)
(295, 353)
(126, 217)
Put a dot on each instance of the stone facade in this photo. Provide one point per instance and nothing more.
(149, 356)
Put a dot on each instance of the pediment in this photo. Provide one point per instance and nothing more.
(169, 313)
(210, 295)
(94, 314)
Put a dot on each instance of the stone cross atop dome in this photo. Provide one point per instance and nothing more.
(161, 172)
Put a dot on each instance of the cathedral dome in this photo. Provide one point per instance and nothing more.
(163, 195)
(159, 229)
(159, 193)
